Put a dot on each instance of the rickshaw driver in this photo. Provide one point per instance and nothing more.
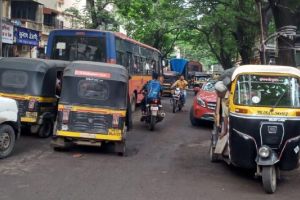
(223, 93)
(182, 85)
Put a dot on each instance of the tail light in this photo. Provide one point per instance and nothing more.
(116, 119)
(155, 101)
(241, 110)
(66, 114)
(31, 104)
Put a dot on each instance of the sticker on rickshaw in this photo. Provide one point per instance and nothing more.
(92, 74)
(116, 132)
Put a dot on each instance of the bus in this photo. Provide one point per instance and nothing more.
(110, 47)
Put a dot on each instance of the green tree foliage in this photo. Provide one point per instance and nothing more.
(158, 23)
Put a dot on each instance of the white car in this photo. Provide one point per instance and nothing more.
(9, 126)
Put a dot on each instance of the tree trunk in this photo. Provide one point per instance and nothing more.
(284, 16)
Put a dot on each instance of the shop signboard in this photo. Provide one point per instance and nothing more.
(7, 33)
(26, 36)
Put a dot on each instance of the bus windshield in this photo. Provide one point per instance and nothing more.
(79, 48)
(268, 91)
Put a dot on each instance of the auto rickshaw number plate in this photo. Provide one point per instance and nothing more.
(87, 135)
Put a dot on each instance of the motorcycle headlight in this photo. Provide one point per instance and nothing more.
(201, 102)
(264, 152)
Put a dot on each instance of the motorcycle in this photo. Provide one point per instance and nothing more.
(177, 100)
(154, 113)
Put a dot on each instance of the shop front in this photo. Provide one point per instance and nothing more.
(26, 42)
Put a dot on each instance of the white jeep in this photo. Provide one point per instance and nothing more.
(9, 126)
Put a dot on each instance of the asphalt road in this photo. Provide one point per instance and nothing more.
(169, 163)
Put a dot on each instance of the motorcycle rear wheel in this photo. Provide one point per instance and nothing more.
(152, 123)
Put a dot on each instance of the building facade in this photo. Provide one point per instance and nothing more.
(27, 24)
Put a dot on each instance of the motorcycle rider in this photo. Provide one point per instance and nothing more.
(153, 90)
(182, 85)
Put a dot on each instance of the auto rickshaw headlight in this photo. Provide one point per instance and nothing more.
(264, 152)
(201, 102)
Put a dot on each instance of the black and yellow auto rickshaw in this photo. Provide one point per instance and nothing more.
(264, 122)
(94, 107)
(32, 83)
(169, 78)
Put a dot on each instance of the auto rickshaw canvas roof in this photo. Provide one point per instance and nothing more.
(97, 70)
(275, 69)
(32, 64)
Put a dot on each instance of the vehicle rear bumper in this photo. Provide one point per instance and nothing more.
(89, 136)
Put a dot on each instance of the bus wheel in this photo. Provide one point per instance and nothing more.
(133, 102)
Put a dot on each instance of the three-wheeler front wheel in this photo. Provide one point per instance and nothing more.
(269, 179)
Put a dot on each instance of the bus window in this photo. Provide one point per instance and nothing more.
(120, 58)
(79, 48)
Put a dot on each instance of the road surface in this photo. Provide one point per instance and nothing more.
(169, 163)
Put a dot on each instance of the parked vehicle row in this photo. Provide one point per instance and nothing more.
(83, 109)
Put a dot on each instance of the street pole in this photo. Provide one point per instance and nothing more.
(1, 27)
(262, 40)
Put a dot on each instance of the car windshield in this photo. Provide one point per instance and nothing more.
(269, 91)
(209, 86)
(201, 78)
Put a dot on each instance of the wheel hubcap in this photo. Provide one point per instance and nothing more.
(4, 141)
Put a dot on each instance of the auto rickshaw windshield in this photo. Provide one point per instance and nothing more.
(268, 91)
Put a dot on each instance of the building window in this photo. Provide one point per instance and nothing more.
(24, 10)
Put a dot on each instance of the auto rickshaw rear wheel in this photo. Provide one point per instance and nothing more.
(269, 179)
(59, 144)
(46, 129)
(120, 148)
(7, 140)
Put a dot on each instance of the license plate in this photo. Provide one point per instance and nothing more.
(154, 108)
(87, 135)
(154, 112)
(31, 114)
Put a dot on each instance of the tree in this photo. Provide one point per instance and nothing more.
(286, 13)
(99, 15)
(158, 23)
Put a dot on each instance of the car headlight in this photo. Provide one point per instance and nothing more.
(264, 152)
(201, 102)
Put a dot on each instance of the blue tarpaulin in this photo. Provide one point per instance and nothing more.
(178, 65)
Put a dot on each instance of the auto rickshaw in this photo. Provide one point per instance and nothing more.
(94, 107)
(32, 83)
(264, 122)
(169, 78)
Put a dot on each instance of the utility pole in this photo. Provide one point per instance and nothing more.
(1, 11)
